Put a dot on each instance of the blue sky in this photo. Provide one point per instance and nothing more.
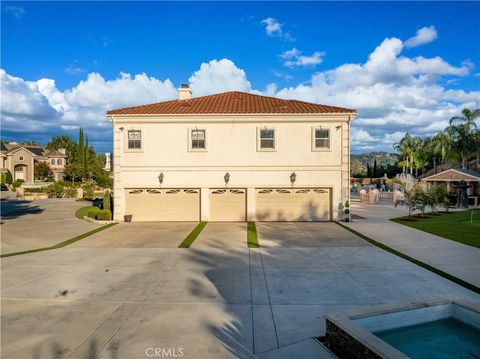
(62, 62)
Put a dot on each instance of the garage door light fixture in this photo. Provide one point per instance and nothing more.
(293, 178)
(226, 178)
(160, 178)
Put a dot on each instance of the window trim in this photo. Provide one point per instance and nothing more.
(314, 142)
(141, 140)
(189, 136)
(259, 140)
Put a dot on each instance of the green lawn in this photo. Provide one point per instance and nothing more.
(453, 225)
(82, 212)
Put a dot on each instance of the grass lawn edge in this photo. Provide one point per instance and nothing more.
(252, 237)
(61, 244)
(188, 241)
(446, 275)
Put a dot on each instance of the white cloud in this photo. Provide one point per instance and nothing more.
(218, 76)
(16, 11)
(274, 28)
(393, 94)
(423, 36)
(294, 58)
(74, 70)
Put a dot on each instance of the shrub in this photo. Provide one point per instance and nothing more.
(88, 189)
(106, 200)
(36, 190)
(8, 177)
(2, 178)
(92, 212)
(69, 192)
(104, 215)
(68, 184)
(17, 183)
(55, 190)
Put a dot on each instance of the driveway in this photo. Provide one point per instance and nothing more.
(33, 224)
(214, 300)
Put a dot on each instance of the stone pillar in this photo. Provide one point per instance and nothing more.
(448, 186)
(204, 204)
(20, 192)
(79, 192)
(251, 204)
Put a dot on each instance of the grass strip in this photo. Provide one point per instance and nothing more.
(187, 242)
(446, 275)
(82, 212)
(252, 237)
(61, 244)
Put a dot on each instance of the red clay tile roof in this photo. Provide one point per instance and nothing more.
(230, 103)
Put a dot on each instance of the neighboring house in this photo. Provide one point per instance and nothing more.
(231, 156)
(20, 160)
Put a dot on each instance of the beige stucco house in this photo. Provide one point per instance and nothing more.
(231, 156)
(20, 160)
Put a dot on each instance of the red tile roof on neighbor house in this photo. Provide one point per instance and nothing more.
(231, 103)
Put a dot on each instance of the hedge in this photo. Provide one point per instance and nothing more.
(92, 212)
(104, 215)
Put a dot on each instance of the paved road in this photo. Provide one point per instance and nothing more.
(33, 224)
(458, 259)
(218, 299)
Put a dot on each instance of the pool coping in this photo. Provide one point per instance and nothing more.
(374, 347)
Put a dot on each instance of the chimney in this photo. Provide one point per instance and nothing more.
(62, 150)
(184, 92)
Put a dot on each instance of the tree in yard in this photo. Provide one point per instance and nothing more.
(81, 149)
(375, 170)
(74, 171)
(70, 146)
(411, 197)
(464, 131)
(42, 171)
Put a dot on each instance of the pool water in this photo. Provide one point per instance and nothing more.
(446, 338)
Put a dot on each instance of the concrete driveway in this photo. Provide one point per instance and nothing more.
(33, 224)
(209, 301)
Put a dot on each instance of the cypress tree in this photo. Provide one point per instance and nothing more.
(374, 174)
(369, 171)
(85, 159)
(80, 149)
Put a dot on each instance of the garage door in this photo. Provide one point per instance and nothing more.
(227, 204)
(163, 204)
(293, 204)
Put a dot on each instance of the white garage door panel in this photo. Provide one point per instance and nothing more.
(293, 204)
(227, 204)
(163, 205)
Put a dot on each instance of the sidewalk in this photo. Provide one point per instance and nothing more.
(457, 259)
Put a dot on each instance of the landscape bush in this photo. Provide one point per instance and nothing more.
(55, 190)
(106, 200)
(89, 189)
(17, 183)
(8, 177)
(92, 212)
(69, 192)
(104, 215)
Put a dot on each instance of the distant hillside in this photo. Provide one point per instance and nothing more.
(358, 163)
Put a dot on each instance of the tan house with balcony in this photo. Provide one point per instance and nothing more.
(231, 156)
(20, 160)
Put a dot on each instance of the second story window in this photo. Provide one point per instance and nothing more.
(322, 138)
(134, 140)
(59, 161)
(52, 162)
(198, 139)
(267, 139)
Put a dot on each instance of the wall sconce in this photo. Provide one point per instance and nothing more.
(293, 178)
(338, 128)
(226, 178)
(121, 128)
(160, 178)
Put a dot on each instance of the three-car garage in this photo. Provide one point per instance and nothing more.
(229, 204)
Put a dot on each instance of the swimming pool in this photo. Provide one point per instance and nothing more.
(434, 329)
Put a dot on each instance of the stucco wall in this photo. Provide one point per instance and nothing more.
(231, 147)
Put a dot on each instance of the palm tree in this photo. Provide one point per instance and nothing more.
(406, 148)
(464, 130)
